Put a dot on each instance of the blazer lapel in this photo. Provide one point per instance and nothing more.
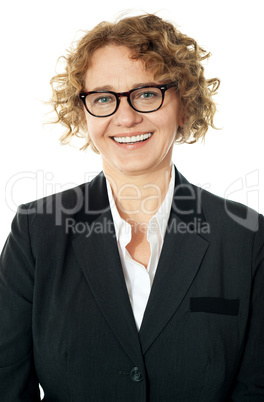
(99, 259)
(181, 256)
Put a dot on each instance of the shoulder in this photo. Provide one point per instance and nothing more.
(221, 213)
(228, 213)
(48, 216)
(68, 202)
(234, 228)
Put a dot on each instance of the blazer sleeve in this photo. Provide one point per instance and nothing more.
(250, 379)
(18, 380)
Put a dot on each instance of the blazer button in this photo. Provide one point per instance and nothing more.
(135, 374)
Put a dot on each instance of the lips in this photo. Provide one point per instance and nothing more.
(132, 139)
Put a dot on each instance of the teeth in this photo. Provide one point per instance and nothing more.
(134, 138)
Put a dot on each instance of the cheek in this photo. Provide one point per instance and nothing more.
(96, 127)
(168, 119)
(168, 124)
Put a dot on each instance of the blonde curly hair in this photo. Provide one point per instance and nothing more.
(171, 55)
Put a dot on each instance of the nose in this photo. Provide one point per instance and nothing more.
(125, 115)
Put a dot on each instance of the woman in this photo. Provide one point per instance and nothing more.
(137, 286)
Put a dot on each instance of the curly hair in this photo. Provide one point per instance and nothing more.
(169, 54)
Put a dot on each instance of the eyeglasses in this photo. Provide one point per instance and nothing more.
(146, 99)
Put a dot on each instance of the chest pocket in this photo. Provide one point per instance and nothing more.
(216, 305)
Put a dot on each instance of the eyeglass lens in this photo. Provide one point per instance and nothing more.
(143, 100)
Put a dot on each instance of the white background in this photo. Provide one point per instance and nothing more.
(34, 34)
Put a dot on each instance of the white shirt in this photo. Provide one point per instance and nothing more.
(139, 279)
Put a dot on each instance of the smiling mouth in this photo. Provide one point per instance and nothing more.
(132, 140)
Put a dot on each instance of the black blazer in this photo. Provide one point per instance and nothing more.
(67, 322)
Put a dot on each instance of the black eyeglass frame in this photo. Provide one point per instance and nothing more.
(118, 95)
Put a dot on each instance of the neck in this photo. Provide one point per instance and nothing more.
(138, 197)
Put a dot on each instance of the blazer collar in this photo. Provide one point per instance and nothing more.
(98, 256)
(183, 250)
(186, 201)
(185, 244)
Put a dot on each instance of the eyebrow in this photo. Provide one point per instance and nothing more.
(106, 88)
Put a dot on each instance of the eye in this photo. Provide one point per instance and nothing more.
(147, 95)
(104, 100)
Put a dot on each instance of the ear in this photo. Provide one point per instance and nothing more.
(182, 119)
(181, 114)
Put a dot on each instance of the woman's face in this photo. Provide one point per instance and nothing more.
(112, 69)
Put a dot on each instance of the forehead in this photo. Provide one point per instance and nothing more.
(112, 66)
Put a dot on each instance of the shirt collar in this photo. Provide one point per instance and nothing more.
(161, 216)
(163, 213)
